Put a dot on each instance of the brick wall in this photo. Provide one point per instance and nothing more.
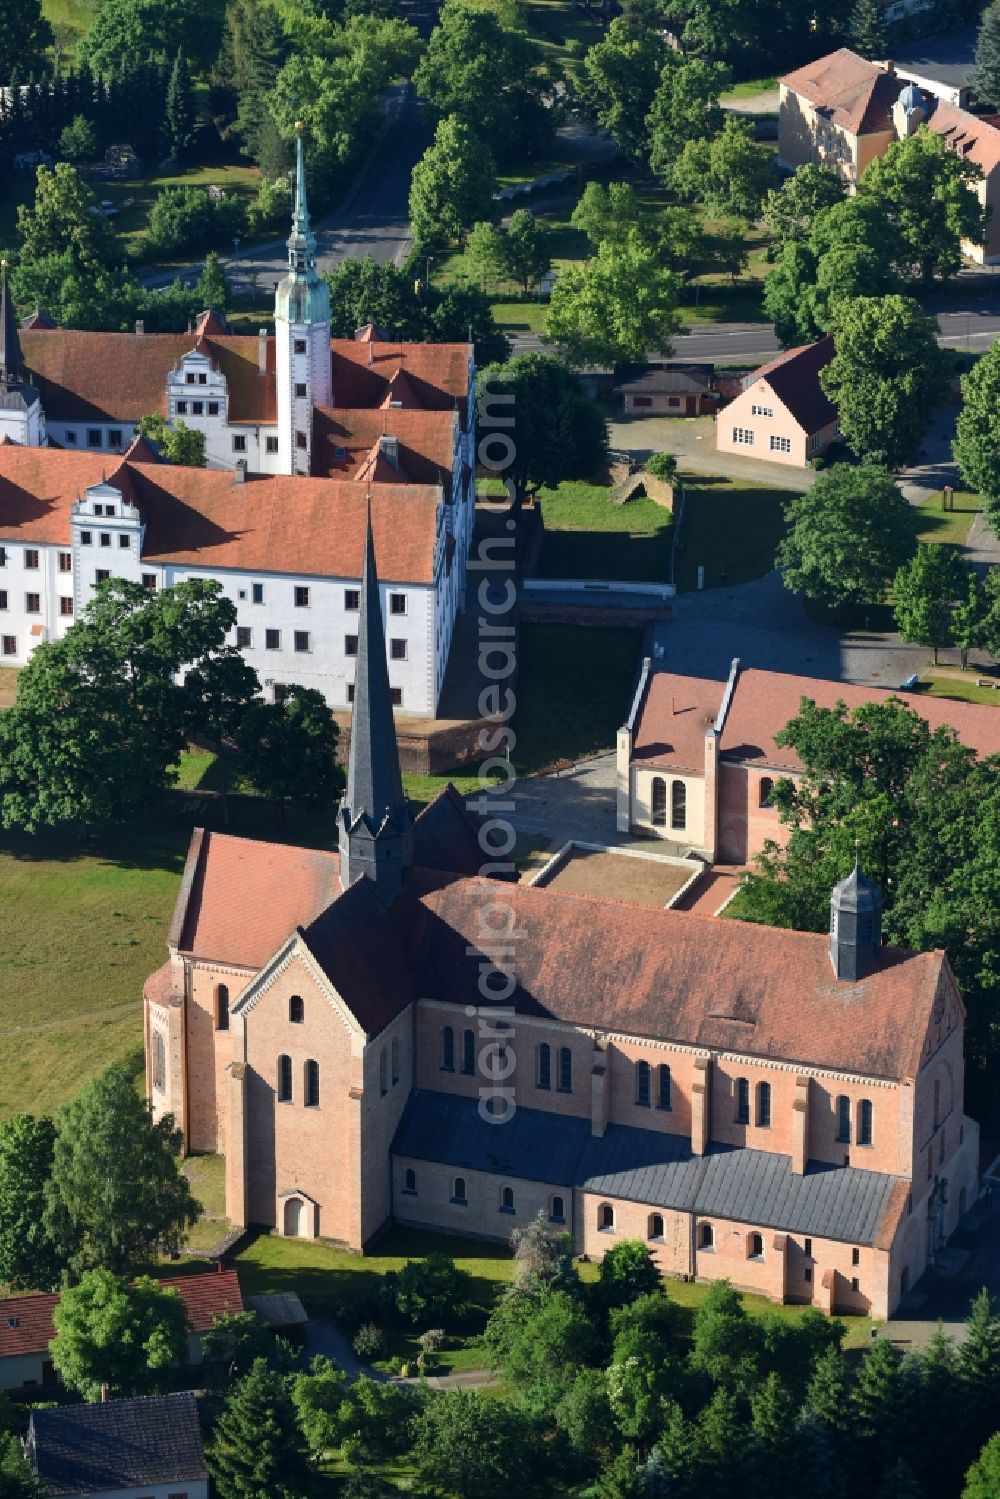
(432, 1204)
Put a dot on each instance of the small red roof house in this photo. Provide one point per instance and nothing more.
(782, 413)
(27, 1329)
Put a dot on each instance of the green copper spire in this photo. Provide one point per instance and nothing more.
(302, 296)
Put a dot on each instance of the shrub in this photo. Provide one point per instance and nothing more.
(186, 218)
(430, 1290)
(369, 1341)
(78, 141)
(432, 1340)
(662, 466)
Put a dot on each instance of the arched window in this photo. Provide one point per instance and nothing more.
(469, 1053)
(865, 1122)
(543, 1066)
(606, 1217)
(383, 1072)
(844, 1119)
(284, 1079)
(395, 1061)
(663, 1087)
(764, 1105)
(642, 1084)
(312, 1084)
(458, 1190)
(755, 1247)
(678, 805)
(222, 1007)
(410, 1181)
(655, 1226)
(506, 1199)
(159, 1062)
(706, 1236)
(742, 1100)
(565, 1070)
(557, 1211)
(296, 1009)
(937, 1102)
(658, 802)
(447, 1049)
(766, 791)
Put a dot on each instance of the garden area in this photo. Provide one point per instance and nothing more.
(588, 537)
(732, 528)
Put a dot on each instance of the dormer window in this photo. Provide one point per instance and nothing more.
(189, 377)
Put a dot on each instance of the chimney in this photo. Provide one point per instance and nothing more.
(105, 1393)
(262, 352)
(371, 353)
(140, 327)
(389, 448)
(240, 471)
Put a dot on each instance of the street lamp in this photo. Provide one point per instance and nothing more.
(427, 272)
(236, 251)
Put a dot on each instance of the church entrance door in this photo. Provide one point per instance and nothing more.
(293, 1218)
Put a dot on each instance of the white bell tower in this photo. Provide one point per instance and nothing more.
(302, 335)
(22, 419)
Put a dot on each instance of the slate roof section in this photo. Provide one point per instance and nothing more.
(360, 948)
(118, 1444)
(849, 91)
(658, 379)
(759, 991)
(794, 378)
(844, 1203)
(446, 836)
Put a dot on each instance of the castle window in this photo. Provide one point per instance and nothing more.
(544, 1068)
(565, 1070)
(458, 1191)
(352, 598)
(93, 437)
(9, 645)
(706, 1236)
(296, 1009)
(65, 562)
(350, 645)
(244, 637)
(270, 444)
(396, 696)
(65, 605)
(447, 1049)
(86, 538)
(213, 408)
(766, 791)
(855, 1283)
(300, 390)
(149, 582)
(606, 1218)
(742, 1100)
(197, 408)
(272, 640)
(410, 1181)
(807, 1248)
(655, 1226)
(755, 1247)
(124, 543)
(663, 1089)
(256, 593)
(312, 1084)
(844, 1119)
(159, 1062)
(658, 802)
(182, 407)
(642, 1084)
(383, 1072)
(763, 1105)
(300, 440)
(678, 805)
(395, 1061)
(300, 345)
(506, 1199)
(398, 650)
(302, 598)
(32, 603)
(222, 1007)
(302, 643)
(239, 443)
(557, 1211)
(469, 1053)
(397, 603)
(855, 1256)
(31, 558)
(284, 1079)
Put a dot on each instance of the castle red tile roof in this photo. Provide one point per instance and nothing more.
(426, 441)
(794, 379)
(102, 377)
(729, 985)
(855, 94)
(205, 1297)
(200, 517)
(675, 715)
(436, 375)
(975, 137)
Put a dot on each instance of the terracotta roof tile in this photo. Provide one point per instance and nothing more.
(426, 441)
(853, 93)
(252, 396)
(974, 138)
(246, 897)
(675, 715)
(794, 378)
(762, 991)
(437, 375)
(270, 523)
(102, 377)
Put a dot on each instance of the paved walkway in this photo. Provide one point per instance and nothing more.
(325, 1339)
(692, 442)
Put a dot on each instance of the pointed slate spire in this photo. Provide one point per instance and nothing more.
(855, 925)
(302, 296)
(300, 212)
(11, 358)
(376, 835)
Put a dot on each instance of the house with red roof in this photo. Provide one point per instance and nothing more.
(782, 413)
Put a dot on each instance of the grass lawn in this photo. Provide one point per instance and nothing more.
(588, 537)
(573, 691)
(555, 24)
(938, 524)
(521, 317)
(732, 528)
(132, 222)
(749, 89)
(962, 688)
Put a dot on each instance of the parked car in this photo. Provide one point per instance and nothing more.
(109, 209)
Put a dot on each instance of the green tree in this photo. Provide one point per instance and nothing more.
(61, 222)
(789, 211)
(887, 376)
(828, 1391)
(319, 1398)
(27, 1258)
(289, 749)
(543, 1257)
(983, 1479)
(24, 36)
(452, 185)
(486, 253)
(78, 141)
(236, 1340)
(525, 249)
(620, 305)
(847, 254)
(988, 632)
(928, 588)
(642, 1375)
(729, 173)
(119, 1335)
(820, 1470)
(927, 193)
(986, 78)
(558, 432)
(866, 29)
(620, 79)
(881, 1407)
(178, 443)
(726, 1341)
(148, 29)
(361, 291)
(977, 434)
(186, 218)
(180, 119)
(17, 1478)
(628, 1271)
(978, 1366)
(685, 108)
(584, 1417)
(607, 211)
(472, 1447)
(116, 1195)
(255, 1451)
(556, 1340)
(429, 1291)
(847, 537)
